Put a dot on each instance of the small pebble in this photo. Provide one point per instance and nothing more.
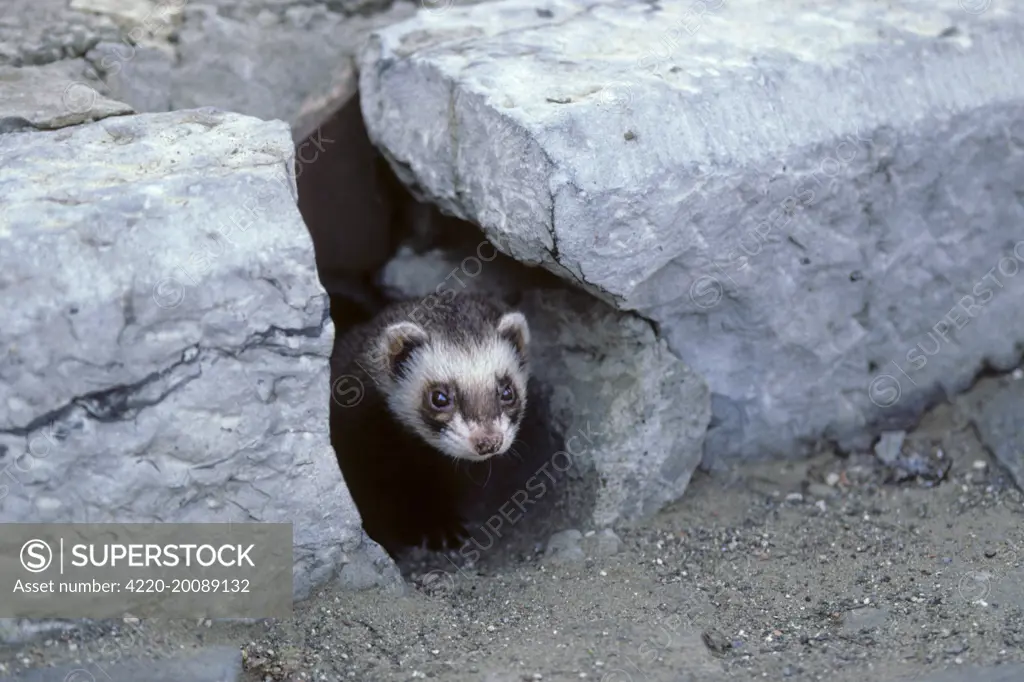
(564, 548)
(832, 479)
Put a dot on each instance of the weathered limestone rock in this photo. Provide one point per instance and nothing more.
(816, 202)
(52, 96)
(268, 60)
(291, 60)
(627, 407)
(36, 32)
(164, 337)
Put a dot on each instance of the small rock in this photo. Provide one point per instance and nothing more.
(51, 97)
(564, 547)
(832, 479)
(794, 497)
(716, 642)
(865, 619)
(889, 446)
(604, 543)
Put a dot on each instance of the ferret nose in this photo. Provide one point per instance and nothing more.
(487, 444)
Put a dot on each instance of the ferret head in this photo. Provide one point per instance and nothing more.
(464, 395)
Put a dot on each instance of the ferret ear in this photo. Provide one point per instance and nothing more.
(513, 327)
(399, 342)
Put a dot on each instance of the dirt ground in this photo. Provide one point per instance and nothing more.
(803, 571)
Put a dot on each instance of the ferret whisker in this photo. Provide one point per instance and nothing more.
(490, 468)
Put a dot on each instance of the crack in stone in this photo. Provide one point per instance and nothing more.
(115, 403)
(124, 402)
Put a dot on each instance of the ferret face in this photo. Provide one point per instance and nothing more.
(466, 400)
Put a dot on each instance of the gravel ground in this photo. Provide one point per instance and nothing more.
(823, 569)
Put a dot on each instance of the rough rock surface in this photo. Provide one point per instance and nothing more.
(164, 337)
(996, 409)
(817, 203)
(273, 59)
(626, 406)
(51, 96)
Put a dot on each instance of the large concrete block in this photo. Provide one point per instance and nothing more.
(818, 203)
(164, 337)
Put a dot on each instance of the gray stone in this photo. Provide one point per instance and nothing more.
(800, 195)
(139, 74)
(36, 32)
(602, 544)
(164, 337)
(863, 620)
(52, 96)
(213, 664)
(139, 19)
(293, 64)
(266, 58)
(564, 548)
(996, 408)
(627, 407)
(889, 446)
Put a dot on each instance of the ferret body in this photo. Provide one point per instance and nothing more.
(430, 386)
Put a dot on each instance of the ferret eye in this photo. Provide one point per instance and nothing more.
(508, 394)
(440, 400)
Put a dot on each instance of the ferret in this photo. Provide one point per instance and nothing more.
(421, 393)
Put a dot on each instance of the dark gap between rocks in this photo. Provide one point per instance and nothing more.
(358, 214)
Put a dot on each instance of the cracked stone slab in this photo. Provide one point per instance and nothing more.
(52, 96)
(212, 664)
(165, 339)
(628, 409)
(817, 203)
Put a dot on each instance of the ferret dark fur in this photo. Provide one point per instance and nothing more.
(405, 459)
